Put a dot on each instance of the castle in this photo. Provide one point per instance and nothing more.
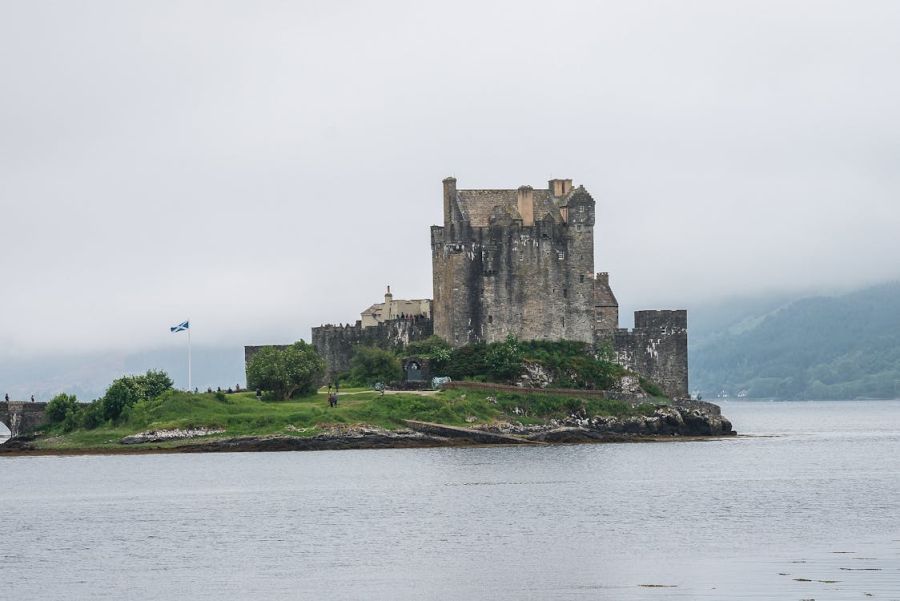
(521, 262)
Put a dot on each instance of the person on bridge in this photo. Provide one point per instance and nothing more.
(7, 397)
(32, 398)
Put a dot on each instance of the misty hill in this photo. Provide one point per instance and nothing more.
(88, 374)
(839, 347)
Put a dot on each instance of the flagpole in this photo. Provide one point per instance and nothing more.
(190, 388)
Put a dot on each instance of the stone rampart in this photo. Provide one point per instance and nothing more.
(337, 343)
(656, 349)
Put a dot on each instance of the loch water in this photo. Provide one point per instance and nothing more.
(805, 504)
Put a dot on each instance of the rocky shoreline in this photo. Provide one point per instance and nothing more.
(682, 421)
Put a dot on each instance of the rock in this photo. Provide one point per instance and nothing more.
(535, 376)
(629, 384)
(18, 443)
(164, 435)
(634, 425)
(653, 424)
(671, 417)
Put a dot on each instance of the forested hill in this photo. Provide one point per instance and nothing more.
(842, 347)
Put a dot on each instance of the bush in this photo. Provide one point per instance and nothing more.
(505, 359)
(370, 365)
(652, 388)
(121, 395)
(468, 361)
(60, 406)
(92, 415)
(571, 364)
(433, 348)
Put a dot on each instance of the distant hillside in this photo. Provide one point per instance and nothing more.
(88, 374)
(842, 347)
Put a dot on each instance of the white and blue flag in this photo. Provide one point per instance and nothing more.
(184, 325)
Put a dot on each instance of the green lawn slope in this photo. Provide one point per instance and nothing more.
(242, 414)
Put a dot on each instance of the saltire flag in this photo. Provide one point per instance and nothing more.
(184, 325)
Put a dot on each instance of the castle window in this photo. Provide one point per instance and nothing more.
(565, 293)
(490, 319)
(581, 278)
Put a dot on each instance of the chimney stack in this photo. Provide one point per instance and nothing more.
(525, 201)
(560, 187)
(388, 303)
(449, 197)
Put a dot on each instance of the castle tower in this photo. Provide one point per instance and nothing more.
(514, 261)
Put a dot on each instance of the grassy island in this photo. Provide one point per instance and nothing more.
(508, 392)
(242, 414)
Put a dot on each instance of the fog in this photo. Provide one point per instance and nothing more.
(260, 168)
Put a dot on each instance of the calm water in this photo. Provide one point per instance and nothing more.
(814, 494)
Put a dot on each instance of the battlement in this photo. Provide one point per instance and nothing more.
(661, 320)
(336, 344)
(656, 349)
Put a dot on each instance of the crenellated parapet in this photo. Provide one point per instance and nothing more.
(656, 349)
(336, 344)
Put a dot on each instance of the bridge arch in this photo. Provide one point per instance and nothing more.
(22, 417)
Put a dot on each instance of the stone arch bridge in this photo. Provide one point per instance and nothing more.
(21, 417)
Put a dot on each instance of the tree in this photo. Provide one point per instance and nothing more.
(153, 383)
(122, 393)
(370, 365)
(59, 406)
(296, 369)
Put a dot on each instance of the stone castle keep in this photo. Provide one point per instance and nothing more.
(520, 262)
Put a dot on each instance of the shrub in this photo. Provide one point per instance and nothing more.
(370, 365)
(467, 361)
(505, 359)
(121, 395)
(92, 415)
(60, 406)
(652, 388)
(433, 348)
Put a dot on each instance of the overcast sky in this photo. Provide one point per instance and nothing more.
(262, 167)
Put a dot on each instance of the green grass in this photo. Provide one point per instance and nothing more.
(241, 414)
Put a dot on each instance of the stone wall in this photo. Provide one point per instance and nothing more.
(337, 343)
(22, 417)
(533, 281)
(657, 349)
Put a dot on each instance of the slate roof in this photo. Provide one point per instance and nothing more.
(477, 206)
